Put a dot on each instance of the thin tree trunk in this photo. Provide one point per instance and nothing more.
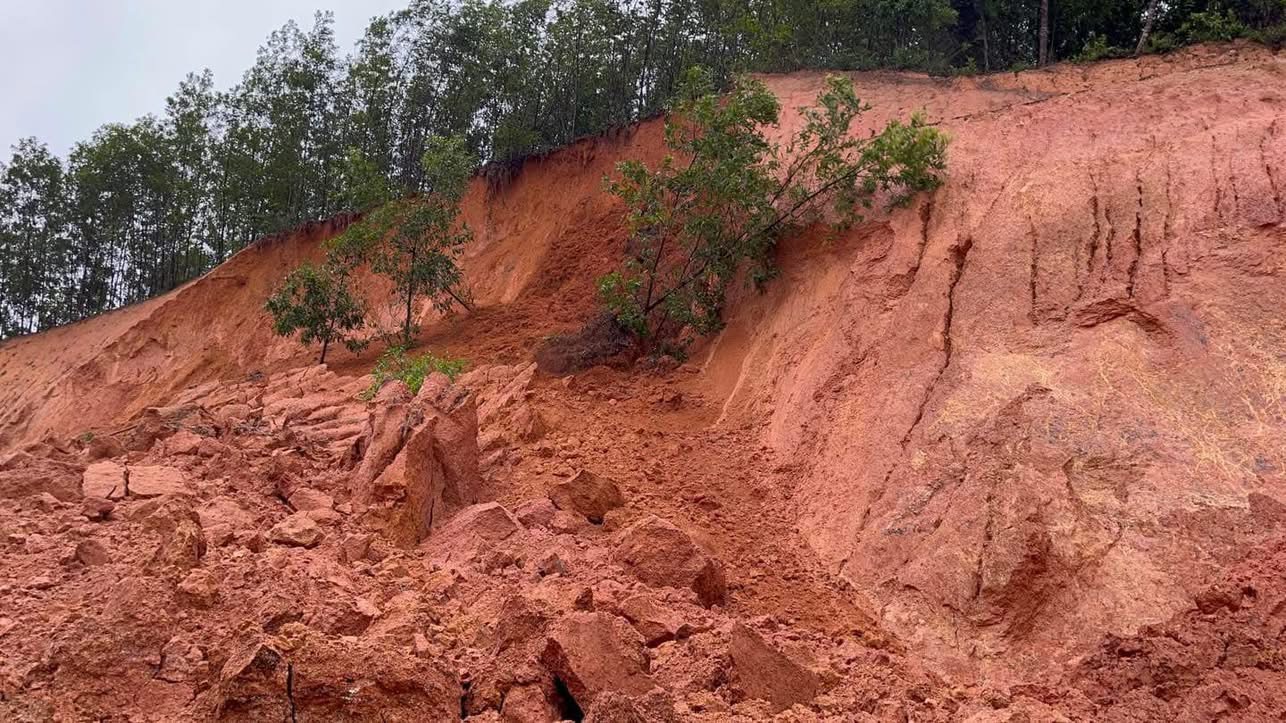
(981, 6)
(1043, 53)
(410, 298)
(406, 325)
(325, 346)
(1149, 17)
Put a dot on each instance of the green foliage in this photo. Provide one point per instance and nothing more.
(1096, 48)
(363, 184)
(309, 130)
(716, 205)
(316, 303)
(394, 363)
(1274, 36)
(414, 241)
(1213, 25)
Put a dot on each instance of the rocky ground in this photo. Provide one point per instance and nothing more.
(503, 548)
(253, 553)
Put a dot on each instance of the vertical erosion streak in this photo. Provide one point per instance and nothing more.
(290, 691)
(1271, 131)
(1137, 237)
(1032, 291)
(959, 256)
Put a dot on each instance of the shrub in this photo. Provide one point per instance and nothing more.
(1274, 36)
(316, 303)
(716, 205)
(1212, 26)
(1096, 48)
(394, 363)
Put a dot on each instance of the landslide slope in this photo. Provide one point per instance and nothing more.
(1016, 450)
(1048, 402)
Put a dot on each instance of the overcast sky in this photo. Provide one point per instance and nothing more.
(69, 66)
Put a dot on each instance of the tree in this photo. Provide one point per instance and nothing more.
(147, 205)
(1149, 18)
(415, 241)
(316, 303)
(34, 249)
(718, 203)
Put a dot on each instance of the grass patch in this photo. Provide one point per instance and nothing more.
(395, 363)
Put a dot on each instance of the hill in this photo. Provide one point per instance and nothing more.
(1014, 452)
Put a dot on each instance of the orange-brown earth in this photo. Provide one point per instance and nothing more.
(1013, 453)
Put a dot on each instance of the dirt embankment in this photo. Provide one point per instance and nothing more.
(1033, 408)
(1012, 453)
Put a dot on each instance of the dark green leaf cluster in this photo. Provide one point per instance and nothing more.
(316, 303)
(718, 203)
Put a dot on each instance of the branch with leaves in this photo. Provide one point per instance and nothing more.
(316, 303)
(721, 199)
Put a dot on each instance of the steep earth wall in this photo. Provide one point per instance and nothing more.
(1041, 404)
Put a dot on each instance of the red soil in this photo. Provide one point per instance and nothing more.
(1013, 453)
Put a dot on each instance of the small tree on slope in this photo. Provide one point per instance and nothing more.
(414, 241)
(718, 203)
(316, 303)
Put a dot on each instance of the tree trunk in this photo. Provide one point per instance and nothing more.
(981, 7)
(325, 346)
(406, 325)
(1043, 53)
(1149, 17)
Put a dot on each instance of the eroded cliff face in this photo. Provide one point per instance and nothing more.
(1015, 450)
(1039, 405)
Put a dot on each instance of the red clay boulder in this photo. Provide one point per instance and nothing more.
(105, 480)
(757, 670)
(471, 532)
(297, 530)
(662, 555)
(592, 653)
(428, 450)
(156, 480)
(655, 623)
(587, 494)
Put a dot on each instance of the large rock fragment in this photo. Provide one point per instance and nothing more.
(306, 499)
(432, 471)
(655, 623)
(297, 530)
(331, 680)
(594, 653)
(472, 531)
(183, 542)
(587, 494)
(92, 552)
(528, 704)
(225, 511)
(760, 671)
(155, 480)
(660, 554)
(105, 480)
(386, 430)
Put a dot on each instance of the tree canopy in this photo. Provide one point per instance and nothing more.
(141, 207)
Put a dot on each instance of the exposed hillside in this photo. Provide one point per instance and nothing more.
(1012, 453)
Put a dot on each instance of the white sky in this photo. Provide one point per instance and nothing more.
(69, 66)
